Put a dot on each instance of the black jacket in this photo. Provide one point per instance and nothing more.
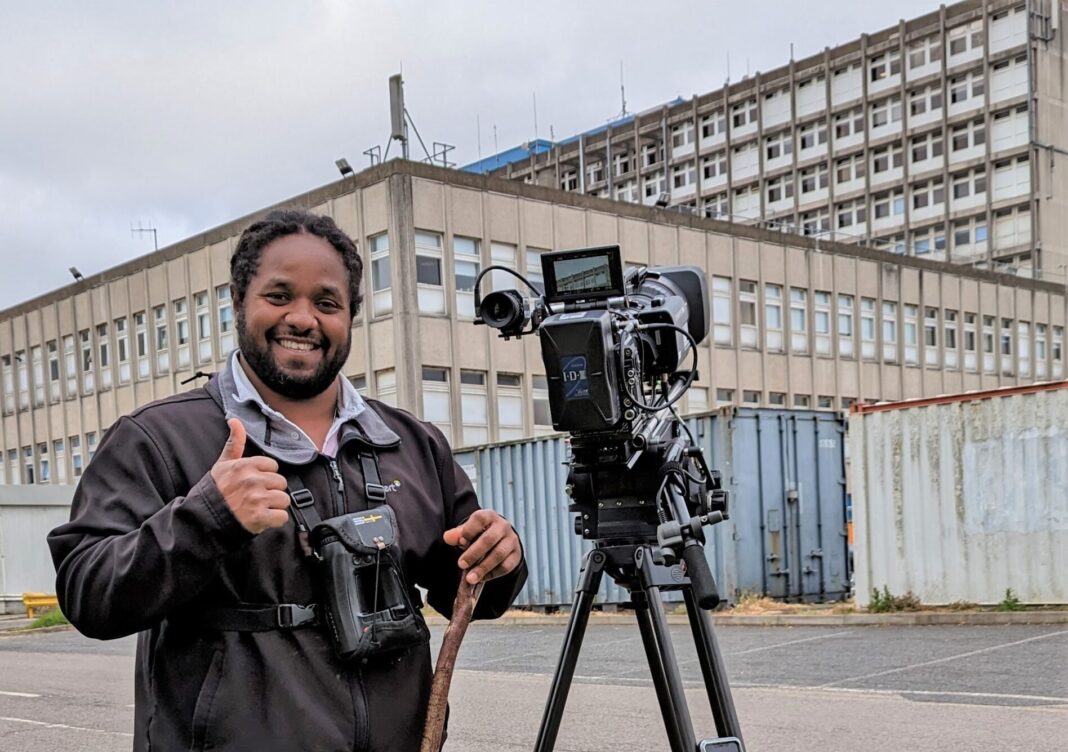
(151, 545)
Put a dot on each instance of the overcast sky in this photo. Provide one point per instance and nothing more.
(183, 116)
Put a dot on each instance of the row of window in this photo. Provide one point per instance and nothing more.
(810, 322)
(698, 401)
(778, 151)
(961, 93)
(969, 236)
(467, 264)
(1011, 178)
(48, 462)
(128, 348)
(846, 84)
(473, 400)
(63, 459)
(924, 150)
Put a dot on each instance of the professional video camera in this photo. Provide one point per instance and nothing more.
(617, 331)
(614, 344)
(613, 355)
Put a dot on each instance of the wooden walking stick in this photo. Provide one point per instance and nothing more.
(462, 609)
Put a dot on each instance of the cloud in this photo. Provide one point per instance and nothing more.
(186, 115)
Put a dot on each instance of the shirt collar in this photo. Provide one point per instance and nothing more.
(350, 403)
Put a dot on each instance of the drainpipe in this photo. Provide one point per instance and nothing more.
(764, 563)
(788, 497)
(818, 553)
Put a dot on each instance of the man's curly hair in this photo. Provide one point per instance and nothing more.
(282, 222)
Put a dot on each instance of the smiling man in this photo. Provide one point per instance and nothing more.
(190, 527)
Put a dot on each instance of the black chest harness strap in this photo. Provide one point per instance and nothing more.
(257, 618)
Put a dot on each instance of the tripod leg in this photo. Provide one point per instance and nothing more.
(589, 581)
(719, 691)
(663, 665)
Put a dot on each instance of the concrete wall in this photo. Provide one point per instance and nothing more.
(27, 514)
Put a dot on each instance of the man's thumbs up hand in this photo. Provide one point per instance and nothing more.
(234, 448)
(251, 486)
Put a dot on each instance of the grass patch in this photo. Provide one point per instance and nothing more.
(884, 602)
(1010, 602)
(754, 603)
(844, 607)
(53, 617)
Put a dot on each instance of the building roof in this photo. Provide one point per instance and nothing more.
(504, 158)
(541, 145)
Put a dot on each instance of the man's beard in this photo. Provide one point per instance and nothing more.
(264, 364)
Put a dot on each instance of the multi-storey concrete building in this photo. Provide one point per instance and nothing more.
(796, 321)
(942, 137)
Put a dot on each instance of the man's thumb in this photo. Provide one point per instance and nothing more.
(234, 448)
(454, 536)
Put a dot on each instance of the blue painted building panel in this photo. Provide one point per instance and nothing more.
(507, 157)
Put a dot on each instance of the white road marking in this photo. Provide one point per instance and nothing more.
(917, 692)
(695, 659)
(17, 694)
(697, 685)
(43, 724)
(791, 642)
(614, 680)
(941, 660)
(516, 657)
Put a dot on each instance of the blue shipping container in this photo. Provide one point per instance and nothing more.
(786, 537)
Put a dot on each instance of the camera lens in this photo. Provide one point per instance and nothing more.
(503, 309)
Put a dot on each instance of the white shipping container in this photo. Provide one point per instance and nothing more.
(960, 498)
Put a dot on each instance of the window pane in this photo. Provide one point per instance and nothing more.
(380, 273)
(542, 414)
(473, 409)
(427, 270)
(466, 271)
(435, 406)
(510, 411)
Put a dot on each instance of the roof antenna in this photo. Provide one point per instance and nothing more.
(622, 92)
(478, 135)
(534, 94)
(400, 119)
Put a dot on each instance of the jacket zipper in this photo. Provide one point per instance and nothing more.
(339, 499)
(357, 690)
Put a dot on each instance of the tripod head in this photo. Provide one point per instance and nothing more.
(660, 495)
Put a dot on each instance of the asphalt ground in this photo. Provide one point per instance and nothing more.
(892, 688)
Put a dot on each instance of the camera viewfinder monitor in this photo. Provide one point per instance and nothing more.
(585, 274)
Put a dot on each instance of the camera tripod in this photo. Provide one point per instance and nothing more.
(633, 567)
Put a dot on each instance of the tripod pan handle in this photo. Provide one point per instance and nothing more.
(704, 584)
